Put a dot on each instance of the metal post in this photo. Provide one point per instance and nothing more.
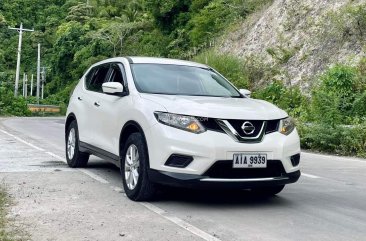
(43, 80)
(26, 86)
(23, 85)
(31, 90)
(38, 71)
(43, 77)
(17, 73)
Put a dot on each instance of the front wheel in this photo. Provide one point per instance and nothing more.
(134, 167)
(74, 157)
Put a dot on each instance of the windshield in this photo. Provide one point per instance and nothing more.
(181, 80)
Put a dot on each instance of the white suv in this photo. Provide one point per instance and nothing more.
(174, 122)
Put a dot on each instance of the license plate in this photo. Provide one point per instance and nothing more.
(242, 160)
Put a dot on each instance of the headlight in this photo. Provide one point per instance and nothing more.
(287, 125)
(183, 122)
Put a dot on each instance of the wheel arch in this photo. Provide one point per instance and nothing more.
(129, 128)
(70, 118)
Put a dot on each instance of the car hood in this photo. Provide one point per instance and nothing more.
(218, 107)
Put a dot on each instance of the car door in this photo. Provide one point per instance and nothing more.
(113, 112)
(93, 90)
(83, 107)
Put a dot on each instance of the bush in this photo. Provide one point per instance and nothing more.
(212, 19)
(338, 113)
(9, 105)
(287, 98)
(333, 99)
(342, 140)
(230, 66)
(359, 106)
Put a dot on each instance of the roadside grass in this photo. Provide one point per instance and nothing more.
(8, 232)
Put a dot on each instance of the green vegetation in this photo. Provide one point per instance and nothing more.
(349, 23)
(74, 35)
(11, 106)
(332, 119)
(337, 112)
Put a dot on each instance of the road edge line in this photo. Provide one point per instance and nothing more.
(309, 175)
(181, 223)
(88, 173)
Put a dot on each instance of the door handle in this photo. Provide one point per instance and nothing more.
(79, 98)
(96, 104)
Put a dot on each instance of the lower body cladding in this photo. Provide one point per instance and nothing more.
(180, 158)
(235, 178)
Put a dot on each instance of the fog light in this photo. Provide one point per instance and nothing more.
(295, 160)
(180, 161)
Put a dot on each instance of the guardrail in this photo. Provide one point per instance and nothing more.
(44, 108)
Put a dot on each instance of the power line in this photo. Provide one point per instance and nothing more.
(20, 30)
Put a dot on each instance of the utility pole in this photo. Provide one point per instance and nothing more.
(20, 30)
(31, 92)
(23, 85)
(26, 86)
(43, 74)
(38, 72)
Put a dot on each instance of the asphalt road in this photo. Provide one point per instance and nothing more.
(327, 203)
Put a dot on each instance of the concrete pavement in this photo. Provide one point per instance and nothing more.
(59, 203)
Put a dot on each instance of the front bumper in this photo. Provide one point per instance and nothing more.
(209, 147)
(198, 181)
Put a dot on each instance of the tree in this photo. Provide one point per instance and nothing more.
(115, 34)
(80, 13)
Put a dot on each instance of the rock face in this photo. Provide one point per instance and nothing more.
(302, 37)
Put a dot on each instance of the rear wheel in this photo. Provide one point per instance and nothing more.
(134, 166)
(74, 157)
(268, 191)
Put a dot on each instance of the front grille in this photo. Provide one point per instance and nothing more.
(272, 126)
(210, 124)
(234, 128)
(224, 169)
(237, 124)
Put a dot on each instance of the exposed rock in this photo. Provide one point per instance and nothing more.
(302, 37)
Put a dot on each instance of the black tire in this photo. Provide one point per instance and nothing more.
(144, 189)
(79, 159)
(268, 191)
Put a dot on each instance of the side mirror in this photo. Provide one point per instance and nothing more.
(245, 92)
(112, 88)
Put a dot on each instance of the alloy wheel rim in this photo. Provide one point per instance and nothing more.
(132, 164)
(71, 144)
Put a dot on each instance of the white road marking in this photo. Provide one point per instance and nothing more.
(94, 176)
(23, 141)
(181, 223)
(56, 156)
(42, 170)
(309, 175)
(89, 173)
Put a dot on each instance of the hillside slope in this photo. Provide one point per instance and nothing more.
(301, 38)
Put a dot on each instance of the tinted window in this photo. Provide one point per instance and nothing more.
(181, 80)
(116, 75)
(97, 77)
